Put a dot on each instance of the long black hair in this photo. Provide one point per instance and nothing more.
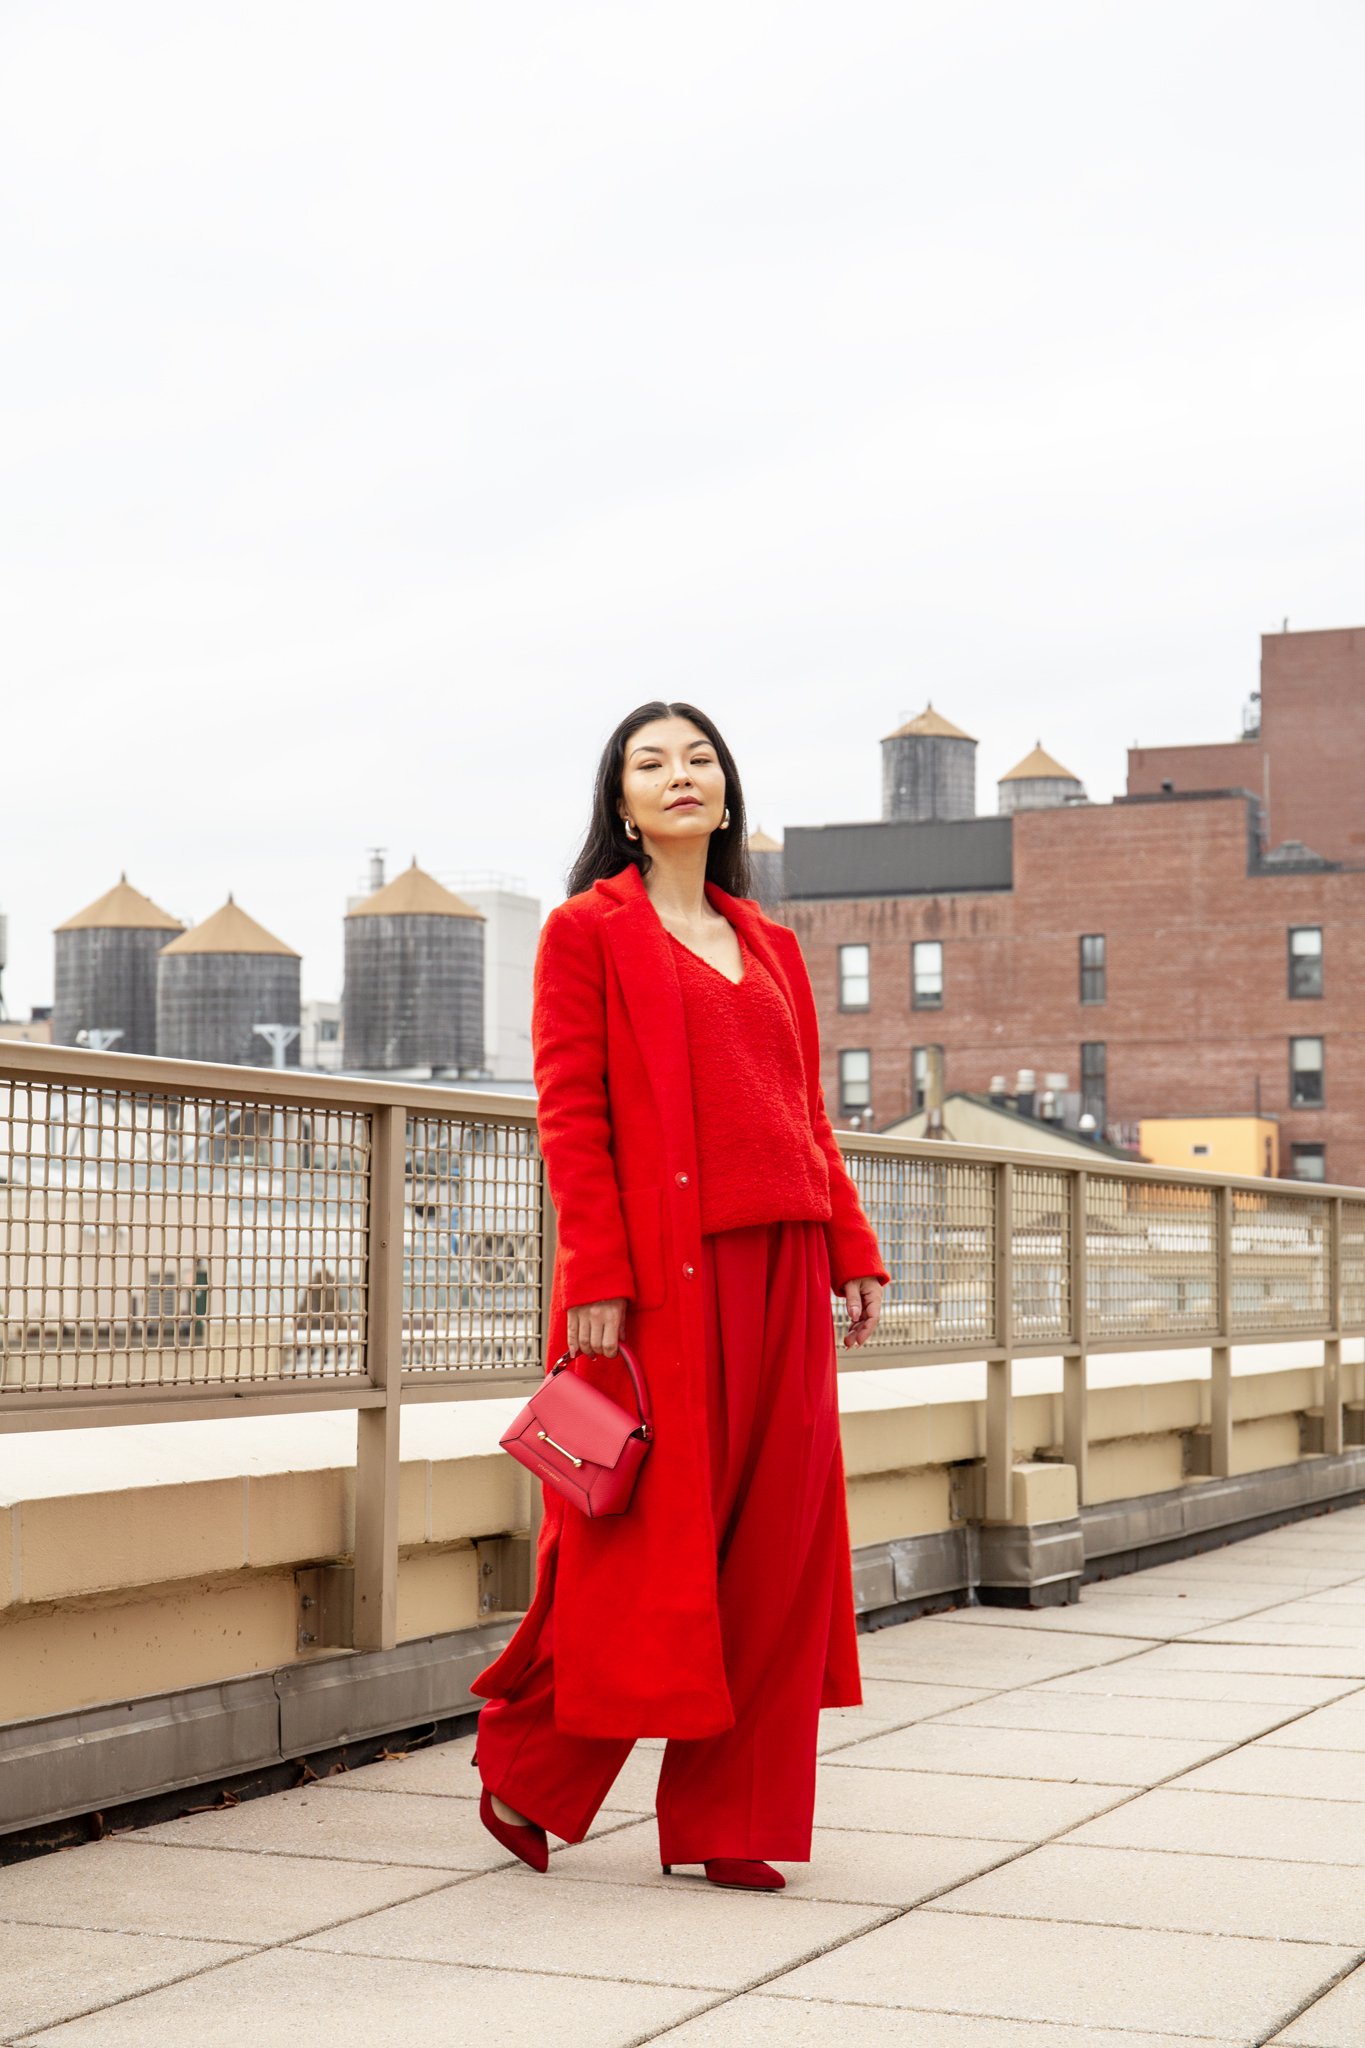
(606, 849)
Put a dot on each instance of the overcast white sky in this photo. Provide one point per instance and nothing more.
(394, 395)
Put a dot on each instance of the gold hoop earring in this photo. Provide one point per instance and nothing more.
(632, 831)
(725, 819)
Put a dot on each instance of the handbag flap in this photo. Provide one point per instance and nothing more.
(582, 1419)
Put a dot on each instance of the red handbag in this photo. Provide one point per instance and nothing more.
(576, 1438)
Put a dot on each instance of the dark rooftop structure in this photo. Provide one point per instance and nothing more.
(893, 857)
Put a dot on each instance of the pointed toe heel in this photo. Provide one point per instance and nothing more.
(739, 1874)
(529, 1842)
(743, 1875)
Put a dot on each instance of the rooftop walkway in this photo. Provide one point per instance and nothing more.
(1128, 1824)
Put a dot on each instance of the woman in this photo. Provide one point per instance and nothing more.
(703, 1209)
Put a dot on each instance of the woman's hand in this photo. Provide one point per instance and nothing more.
(864, 1298)
(595, 1326)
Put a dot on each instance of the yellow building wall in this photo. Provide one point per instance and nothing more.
(1217, 1144)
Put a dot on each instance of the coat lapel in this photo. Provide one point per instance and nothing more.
(652, 994)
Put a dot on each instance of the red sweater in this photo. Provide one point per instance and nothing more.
(757, 1159)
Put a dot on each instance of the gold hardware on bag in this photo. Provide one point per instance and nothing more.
(558, 1447)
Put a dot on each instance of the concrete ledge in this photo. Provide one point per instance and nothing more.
(100, 1757)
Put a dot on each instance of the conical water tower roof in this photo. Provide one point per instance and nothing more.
(229, 930)
(1039, 766)
(763, 842)
(930, 725)
(414, 893)
(122, 908)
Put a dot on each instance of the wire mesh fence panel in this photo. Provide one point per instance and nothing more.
(1281, 1261)
(1151, 1258)
(157, 1240)
(472, 1286)
(1353, 1265)
(935, 1223)
(1041, 1254)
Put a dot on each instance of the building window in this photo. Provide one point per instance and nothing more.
(926, 975)
(1092, 967)
(1093, 1098)
(329, 1031)
(1305, 1073)
(1305, 960)
(855, 1080)
(163, 1294)
(855, 977)
(1310, 1162)
(919, 1074)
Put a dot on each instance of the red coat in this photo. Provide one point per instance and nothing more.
(637, 1642)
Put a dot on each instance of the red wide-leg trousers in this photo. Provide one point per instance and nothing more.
(777, 1482)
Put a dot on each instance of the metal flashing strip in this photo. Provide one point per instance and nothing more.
(1004, 1561)
(100, 1757)
(1200, 1516)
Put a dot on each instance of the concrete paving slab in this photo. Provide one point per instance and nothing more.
(1233, 1824)
(1210, 1721)
(315, 2001)
(1085, 1618)
(443, 1771)
(1324, 1606)
(1336, 2020)
(1291, 1773)
(935, 1650)
(935, 1803)
(1031, 1753)
(1340, 1726)
(1199, 1597)
(1162, 1888)
(419, 1832)
(1315, 1633)
(1221, 1570)
(898, 1701)
(132, 1886)
(1140, 1681)
(1285, 1660)
(1310, 1567)
(757, 2020)
(441, 1775)
(1223, 1986)
(846, 1866)
(694, 1936)
(50, 1973)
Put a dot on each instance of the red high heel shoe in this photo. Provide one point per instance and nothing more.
(739, 1873)
(528, 1842)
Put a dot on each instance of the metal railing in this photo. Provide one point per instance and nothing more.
(181, 1240)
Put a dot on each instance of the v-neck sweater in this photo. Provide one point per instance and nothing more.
(757, 1158)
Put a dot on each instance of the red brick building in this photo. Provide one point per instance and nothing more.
(1303, 756)
(1158, 951)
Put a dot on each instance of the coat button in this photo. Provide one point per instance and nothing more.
(689, 1272)
(681, 1179)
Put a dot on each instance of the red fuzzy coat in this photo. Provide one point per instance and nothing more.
(637, 1634)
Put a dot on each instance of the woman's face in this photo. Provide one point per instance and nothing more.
(672, 783)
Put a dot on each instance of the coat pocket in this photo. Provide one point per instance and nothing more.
(642, 1209)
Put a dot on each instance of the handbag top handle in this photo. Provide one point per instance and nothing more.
(632, 1367)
